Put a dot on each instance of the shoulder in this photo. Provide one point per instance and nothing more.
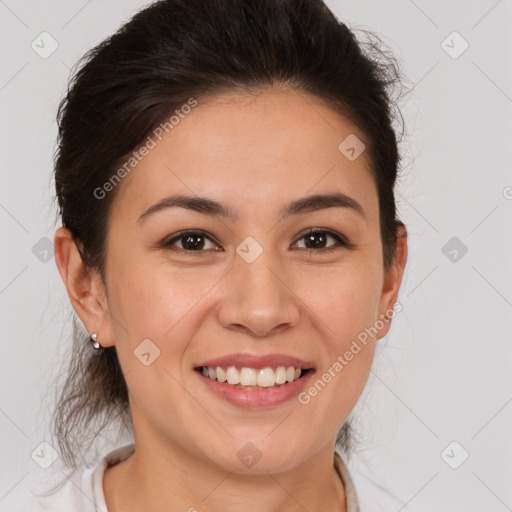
(363, 492)
(351, 495)
(69, 491)
(376, 496)
(78, 490)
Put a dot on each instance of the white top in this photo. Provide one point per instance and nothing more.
(83, 490)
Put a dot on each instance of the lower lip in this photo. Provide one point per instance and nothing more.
(256, 398)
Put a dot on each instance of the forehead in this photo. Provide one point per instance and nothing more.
(251, 151)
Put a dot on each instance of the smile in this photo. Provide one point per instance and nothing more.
(252, 378)
(268, 387)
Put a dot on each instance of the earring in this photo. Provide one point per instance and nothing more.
(95, 343)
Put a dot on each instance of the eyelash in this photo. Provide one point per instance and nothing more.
(341, 241)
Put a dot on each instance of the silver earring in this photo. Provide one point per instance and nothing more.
(95, 343)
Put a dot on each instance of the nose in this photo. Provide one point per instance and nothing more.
(256, 299)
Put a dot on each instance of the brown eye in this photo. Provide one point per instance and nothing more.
(315, 240)
(191, 241)
(196, 241)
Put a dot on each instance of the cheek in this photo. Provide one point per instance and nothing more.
(146, 303)
(344, 299)
(153, 297)
(151, 304)
(166, 306)
(345, 307)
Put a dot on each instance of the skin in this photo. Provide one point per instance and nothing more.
(253, 153)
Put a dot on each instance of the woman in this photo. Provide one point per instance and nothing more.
(229, 241)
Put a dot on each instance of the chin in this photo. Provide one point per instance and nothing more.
(260, 456)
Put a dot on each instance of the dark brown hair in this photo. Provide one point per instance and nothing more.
(126, 86)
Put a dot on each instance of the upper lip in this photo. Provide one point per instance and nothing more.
(257, 362)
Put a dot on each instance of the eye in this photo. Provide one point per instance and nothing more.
(195, 241)
(316, 238)
(191, 241)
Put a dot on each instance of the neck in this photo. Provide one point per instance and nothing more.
(160, 480)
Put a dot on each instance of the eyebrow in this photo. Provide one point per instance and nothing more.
(213, 208)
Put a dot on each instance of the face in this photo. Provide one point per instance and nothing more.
(256, 285)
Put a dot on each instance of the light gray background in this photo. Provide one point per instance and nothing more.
(443, 374)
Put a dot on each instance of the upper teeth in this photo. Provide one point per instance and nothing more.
(265, 377)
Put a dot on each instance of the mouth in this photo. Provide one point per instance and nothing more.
(255, 381)
(250, 378)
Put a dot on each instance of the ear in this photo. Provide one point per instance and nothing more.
(84, 286)
(392, 281)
